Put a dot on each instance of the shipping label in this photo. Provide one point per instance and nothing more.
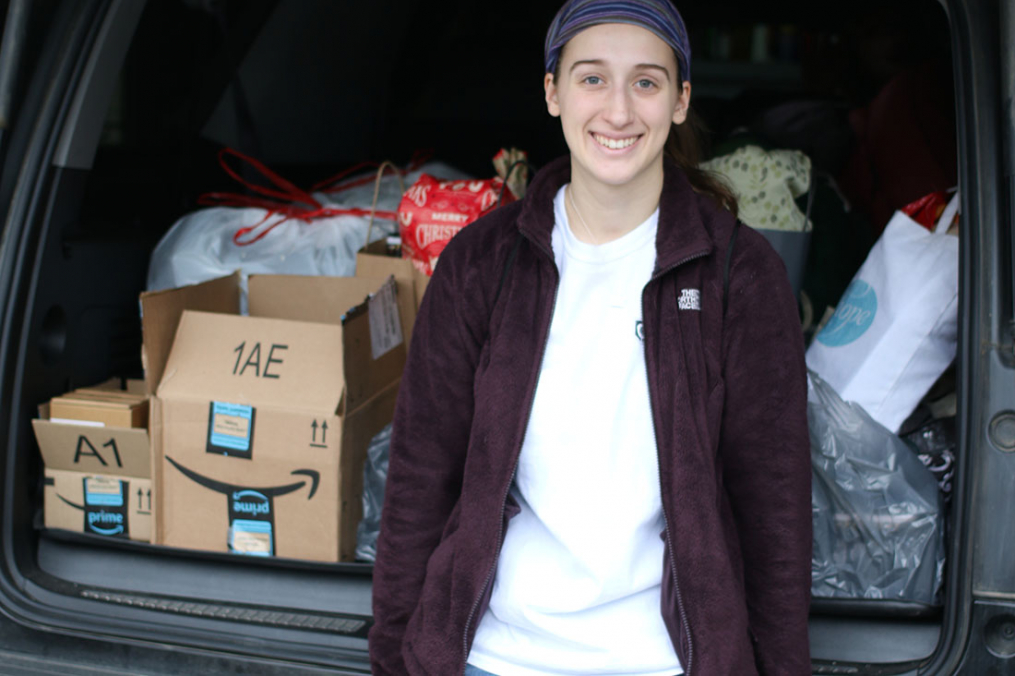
(385, 324)
(251, 523)
(106, 502)
(231, 429)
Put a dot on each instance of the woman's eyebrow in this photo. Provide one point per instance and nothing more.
(640, 66)
(654, 66)
(587, 62)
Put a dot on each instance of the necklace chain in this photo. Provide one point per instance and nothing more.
(570, 194)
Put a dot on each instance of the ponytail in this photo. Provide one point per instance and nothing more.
(684, 147)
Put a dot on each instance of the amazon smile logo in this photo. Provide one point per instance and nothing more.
(251, 511)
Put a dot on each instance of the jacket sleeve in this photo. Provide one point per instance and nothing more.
(765, 454)
(430, 434)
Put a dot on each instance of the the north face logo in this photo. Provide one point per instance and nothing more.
(690, 299)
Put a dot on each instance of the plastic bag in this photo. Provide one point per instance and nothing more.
(895, 329)
(876, 509)
(276, 236)
(375, 474)
(934, 440)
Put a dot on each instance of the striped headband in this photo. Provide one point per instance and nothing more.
(658, 16)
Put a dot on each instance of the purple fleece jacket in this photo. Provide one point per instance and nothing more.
(729, 406)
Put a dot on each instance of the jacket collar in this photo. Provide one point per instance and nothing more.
(683, 213)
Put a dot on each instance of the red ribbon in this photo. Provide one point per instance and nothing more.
(284, 198)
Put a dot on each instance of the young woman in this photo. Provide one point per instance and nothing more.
(600, 461)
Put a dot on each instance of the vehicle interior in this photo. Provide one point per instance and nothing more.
(313, 87)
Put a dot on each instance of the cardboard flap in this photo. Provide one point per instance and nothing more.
(324, 300)
(255, 361)
(369, 367)
(161, 311)
(101, 450)
(374, 261)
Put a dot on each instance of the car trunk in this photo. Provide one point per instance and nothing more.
(152, 91)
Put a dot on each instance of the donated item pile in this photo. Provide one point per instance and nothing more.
(269, 395)
(263, 391)
(259, 423)
(282, 230)
(878, 509)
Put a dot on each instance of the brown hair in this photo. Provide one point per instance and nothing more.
(685, 147)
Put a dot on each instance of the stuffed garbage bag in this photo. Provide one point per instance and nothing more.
(375, 476)
(315, 233)
(876, 509)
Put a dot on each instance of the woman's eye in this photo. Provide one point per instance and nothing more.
(645, 84)
(593, 80)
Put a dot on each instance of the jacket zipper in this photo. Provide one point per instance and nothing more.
(514, 469)
(655, 437)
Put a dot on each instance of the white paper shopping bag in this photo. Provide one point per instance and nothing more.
(894, 331)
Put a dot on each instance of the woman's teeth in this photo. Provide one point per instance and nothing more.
(615, 144)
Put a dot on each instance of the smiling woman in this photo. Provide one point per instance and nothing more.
(622, 383)
(617, 96)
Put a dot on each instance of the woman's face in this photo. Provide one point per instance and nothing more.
(616, 95)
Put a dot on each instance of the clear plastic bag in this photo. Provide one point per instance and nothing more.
(202, 245)
(876, 509)
(375, 474)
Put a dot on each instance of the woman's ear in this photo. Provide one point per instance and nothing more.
(552, 102)
(683, 102)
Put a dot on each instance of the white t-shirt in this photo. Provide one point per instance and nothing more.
(577, 589)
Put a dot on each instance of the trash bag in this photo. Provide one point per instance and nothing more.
(375, 474)
(283, 237)
(876, 509)
(935, 441)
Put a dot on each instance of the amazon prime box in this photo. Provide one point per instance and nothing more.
(261, 423)
(97, 476)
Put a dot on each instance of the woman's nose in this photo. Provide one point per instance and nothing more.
(619, 111)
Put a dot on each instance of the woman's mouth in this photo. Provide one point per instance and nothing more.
(615, 143)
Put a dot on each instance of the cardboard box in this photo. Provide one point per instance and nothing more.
(373, 261)
(101, 408)
(261, 422)
(92, 478)
(114, 506)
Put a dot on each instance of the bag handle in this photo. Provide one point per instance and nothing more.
(948, 215)
(337, 183)
(280, 198)
(385, 165)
